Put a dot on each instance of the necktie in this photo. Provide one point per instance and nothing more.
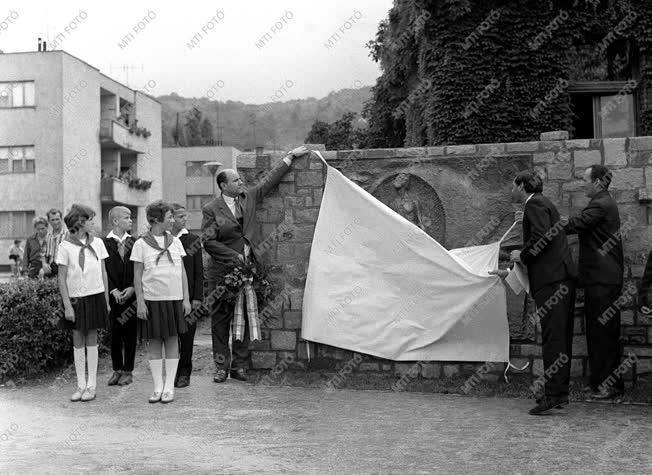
(121, 249)
(82, 257)
(238, 207)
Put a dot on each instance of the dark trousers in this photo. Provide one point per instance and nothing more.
(602, 319)
(186, 342)
(123, 342)
(221, 318)
(556, 307)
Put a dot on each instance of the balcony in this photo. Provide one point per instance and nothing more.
(114, 134)
(116, 191)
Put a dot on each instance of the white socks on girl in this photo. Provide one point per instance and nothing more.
(156, 366)
(92, 365)
(80, 366)
(170, 373)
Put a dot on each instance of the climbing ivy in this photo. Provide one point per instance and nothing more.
(465, 71)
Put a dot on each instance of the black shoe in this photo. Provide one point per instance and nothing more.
(608, 395)
(544, 405)
(562, 401)
(220, 376)
(239, 374)
(590, 389)
(182, 382)
(113, 380)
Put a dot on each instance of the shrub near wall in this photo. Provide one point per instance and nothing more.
(30, 341)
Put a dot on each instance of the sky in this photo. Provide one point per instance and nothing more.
(254, 51)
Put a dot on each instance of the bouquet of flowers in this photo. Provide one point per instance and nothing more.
(235, 280)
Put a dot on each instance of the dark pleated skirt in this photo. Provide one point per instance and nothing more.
(164, 319)
(90, 313)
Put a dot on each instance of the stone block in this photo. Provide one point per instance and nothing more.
(369, 367)
(411, 152)
(309, 178)
(577, 143)
(317, 194)
(286, 189)
(559, 171)
(430, 370)
(260, 345)
(490, 148)
(579, 346)
(296, 299)
(627, 178)
(578, 326)
(530, 350)
(644, 366)
(294, 201)
(433, 151)
(543, 157)
(551, 145)
(292, 319)
(451, 370)
(576, 185)
(639, 351)
(246, 160)
(288, 177)
(386, 367)
(283, 340)
(614, 152)
(302, 350)
(263, 161)
(460, 150)
(411, 370)
(379, 153)
(285, 252)
(316, 164)
(554, 135)
(648, 176)
(306, 215)
(329, 155)
(625, 196)
(563, 156)
(584, 159)
(301, 233)
(640, 143)
(522, 146)
(263, 359)
(491, 377)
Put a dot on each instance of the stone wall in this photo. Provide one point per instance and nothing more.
(469, 186)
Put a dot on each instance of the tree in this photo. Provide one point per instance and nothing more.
(206, 131)
(338, 135)
(193, 127)
(318, 132)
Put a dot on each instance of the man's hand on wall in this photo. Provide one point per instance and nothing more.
(298, 152)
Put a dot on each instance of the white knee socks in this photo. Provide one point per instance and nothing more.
(80, 366)
(170, 373)
(156, 366)
(92, 365)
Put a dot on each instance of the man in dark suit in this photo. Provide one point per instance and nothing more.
(551, 273)
(229, 229)
(601, 274)
(120, 276)
(194, 266)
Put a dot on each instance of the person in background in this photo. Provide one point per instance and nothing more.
(120, 274)
(601, 267)
(54, 238)
(15, 258)
(162, 297)
(85, 293)
(193, 264)
(646, 288)
(35, 249)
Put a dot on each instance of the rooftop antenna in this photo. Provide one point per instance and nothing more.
(125, 69)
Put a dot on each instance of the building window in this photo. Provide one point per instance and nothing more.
(603, 109)
(16, 224)
(17, 94)
(196, 169)
(195, 202)
(17, 159)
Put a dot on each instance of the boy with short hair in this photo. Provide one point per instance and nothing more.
(120, 273)
(193, 264)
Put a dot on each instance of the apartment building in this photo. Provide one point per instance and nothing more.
(70, 134)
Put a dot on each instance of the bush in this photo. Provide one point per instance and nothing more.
(30, 341)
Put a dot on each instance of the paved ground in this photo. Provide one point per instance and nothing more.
(240, 427)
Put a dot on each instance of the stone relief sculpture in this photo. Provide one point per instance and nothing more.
(405, 205)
